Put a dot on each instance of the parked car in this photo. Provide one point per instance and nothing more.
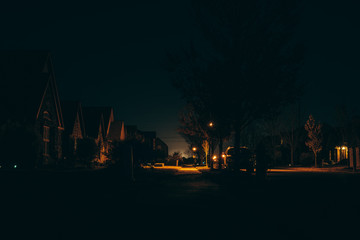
(246, 160)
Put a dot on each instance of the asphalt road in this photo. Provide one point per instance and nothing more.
(173, 203)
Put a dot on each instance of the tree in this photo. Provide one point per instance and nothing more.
(192, 127)
(174, 158)
(87, 150)
(290, 130)
(118, 152)
(205, 145)
(272, 141)
(120, 155)
(343, 121)
(251, 66)
(314, 137)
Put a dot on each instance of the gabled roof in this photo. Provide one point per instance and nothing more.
(107, 115)
(70, 110)
(160, 142)
(93, 119)
(25, 76)
(116, 132)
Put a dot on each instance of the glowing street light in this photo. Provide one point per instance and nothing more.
(194, 149)
(211, 124)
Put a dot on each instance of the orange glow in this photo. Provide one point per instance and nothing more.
(188, 169)
(223, 155)
(194, 149)
(214, 157)
(211, 124)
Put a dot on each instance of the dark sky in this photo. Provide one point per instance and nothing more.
(112, 54)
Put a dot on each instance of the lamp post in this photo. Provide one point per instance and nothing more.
(219, 135)
(194, 149)
(211, 125)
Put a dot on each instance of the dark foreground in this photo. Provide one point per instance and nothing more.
(172, 204)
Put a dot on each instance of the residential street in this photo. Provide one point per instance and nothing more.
(182, 202)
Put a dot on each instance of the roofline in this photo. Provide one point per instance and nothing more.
(56, 95)
(42, 99)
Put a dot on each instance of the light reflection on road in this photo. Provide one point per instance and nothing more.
(198, 169)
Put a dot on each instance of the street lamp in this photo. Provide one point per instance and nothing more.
(218, 133)
(211, 126)
(194, 156)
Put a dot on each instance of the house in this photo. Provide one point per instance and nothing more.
(161, 148)
(143, 143)
(74, 128)
(133, 134)
(95, 129)
(149, 139)
(108, 115)
(117, 131)
(30, 101)
(341, 153)
(149, 145)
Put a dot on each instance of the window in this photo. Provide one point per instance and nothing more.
(46, 134)
(46, 115)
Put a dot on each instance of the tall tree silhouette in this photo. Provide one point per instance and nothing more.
(290, 132)
(250, 67)
(314, 137)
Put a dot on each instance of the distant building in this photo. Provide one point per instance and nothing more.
(149, 139)
(29, 97)
(161, 149)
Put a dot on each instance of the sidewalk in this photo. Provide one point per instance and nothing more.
(340, 169)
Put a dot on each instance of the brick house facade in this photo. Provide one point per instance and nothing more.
(29, 96)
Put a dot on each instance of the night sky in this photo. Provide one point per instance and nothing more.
(112, 54)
